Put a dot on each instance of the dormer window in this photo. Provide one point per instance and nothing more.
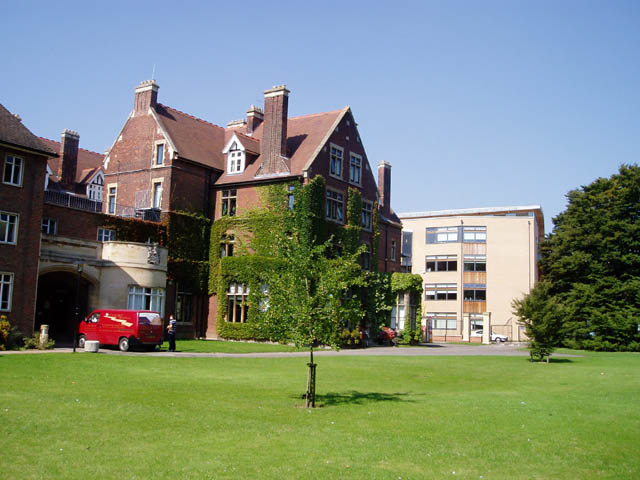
(235, 152)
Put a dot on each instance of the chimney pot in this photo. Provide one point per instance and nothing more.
(255, 117)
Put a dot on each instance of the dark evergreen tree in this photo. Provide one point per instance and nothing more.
(591, 262)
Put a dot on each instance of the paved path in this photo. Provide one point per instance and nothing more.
(438, 349)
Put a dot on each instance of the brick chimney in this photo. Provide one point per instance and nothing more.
(69, 158)
(274, 134)
(146, 96)
(255, 116)
(384, 187)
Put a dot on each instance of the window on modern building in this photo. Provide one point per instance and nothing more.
(475, 263)
(6, 289)
(106, 234)
(442, 263)
(8, 228)
(335, 206)
(160, 154)
(229, 198)
(443, 320)
(475, 292)
(49, 226)
(440, 291)
(367, 212)
(157, 195)
(442, 234)
(393, 250)
(146, 298)
(290, 196)
(183, 307)
(474, 234)
(335, 168)
(235, 163)
(226, 245)
(476, 321)
(112, 200)
(237, 303)
(12, 171)
(355, 168)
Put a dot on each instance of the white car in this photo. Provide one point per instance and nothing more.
(495, 337)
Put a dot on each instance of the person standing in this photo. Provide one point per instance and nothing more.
(171, 329)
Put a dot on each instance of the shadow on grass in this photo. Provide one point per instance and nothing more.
(360, 398)
(555, 360)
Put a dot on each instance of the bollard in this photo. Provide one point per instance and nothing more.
(44, 334)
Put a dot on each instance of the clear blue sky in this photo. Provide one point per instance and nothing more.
(474, 103)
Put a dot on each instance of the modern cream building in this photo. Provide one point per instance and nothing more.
(473, 262)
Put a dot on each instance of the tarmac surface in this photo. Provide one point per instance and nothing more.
(509, 349)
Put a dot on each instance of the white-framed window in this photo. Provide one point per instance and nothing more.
(157, 195)
(474, 234)
(159, 154)
(9, 228)
(355, 168)
(146, 298)
(290, 196)
(335, 206)
(366, 257)
(227, 241)
(441, 263)
(440, 291)
(335, 165)
(476, 321)
(403, 316)
(49, 226)
(443, 320)
(12, 174)
(229, 198)
(235, 159)
(96, 188)
(106, 234)
(111, 205)
(6, 290)
(237, 302)
(367, 211)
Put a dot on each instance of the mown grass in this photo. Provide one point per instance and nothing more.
(111, 416)
(215, 346)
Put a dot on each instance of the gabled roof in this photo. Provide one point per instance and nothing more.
(88, 162)
(305, 136)
(13, 132)
(193, 138)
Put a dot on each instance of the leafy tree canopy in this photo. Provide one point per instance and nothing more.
(591, 264)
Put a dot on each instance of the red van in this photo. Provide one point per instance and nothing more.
(125, 328)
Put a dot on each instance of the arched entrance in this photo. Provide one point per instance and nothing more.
(56, 304)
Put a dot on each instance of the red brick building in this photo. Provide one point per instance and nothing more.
(165, 160)
(24, 163)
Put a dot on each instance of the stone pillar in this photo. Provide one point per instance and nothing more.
(486, 328)
(466, 324)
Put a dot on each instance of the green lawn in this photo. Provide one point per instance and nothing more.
(215, 346)
(125, 417)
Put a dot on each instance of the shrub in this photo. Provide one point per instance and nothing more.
(410, 336)
(350, 338)
(5, 329)
(33, 342)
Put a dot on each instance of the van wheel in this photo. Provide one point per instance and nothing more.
(81, 340)
(123, 344)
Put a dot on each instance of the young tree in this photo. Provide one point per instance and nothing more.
(308, 296)
(591, 262)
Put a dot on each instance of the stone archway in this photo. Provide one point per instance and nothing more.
(56, 304)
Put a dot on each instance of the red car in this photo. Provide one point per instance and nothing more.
(125, 328)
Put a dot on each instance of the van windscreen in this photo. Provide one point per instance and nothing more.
(149, 318)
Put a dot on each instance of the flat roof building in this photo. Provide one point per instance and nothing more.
(473, 262)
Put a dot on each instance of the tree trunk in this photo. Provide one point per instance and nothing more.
(310, 396)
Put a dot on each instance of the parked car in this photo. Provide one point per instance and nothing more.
(495, 337)
(124, 328)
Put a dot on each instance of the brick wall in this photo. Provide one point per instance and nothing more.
(22, 259)
(75, 223)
